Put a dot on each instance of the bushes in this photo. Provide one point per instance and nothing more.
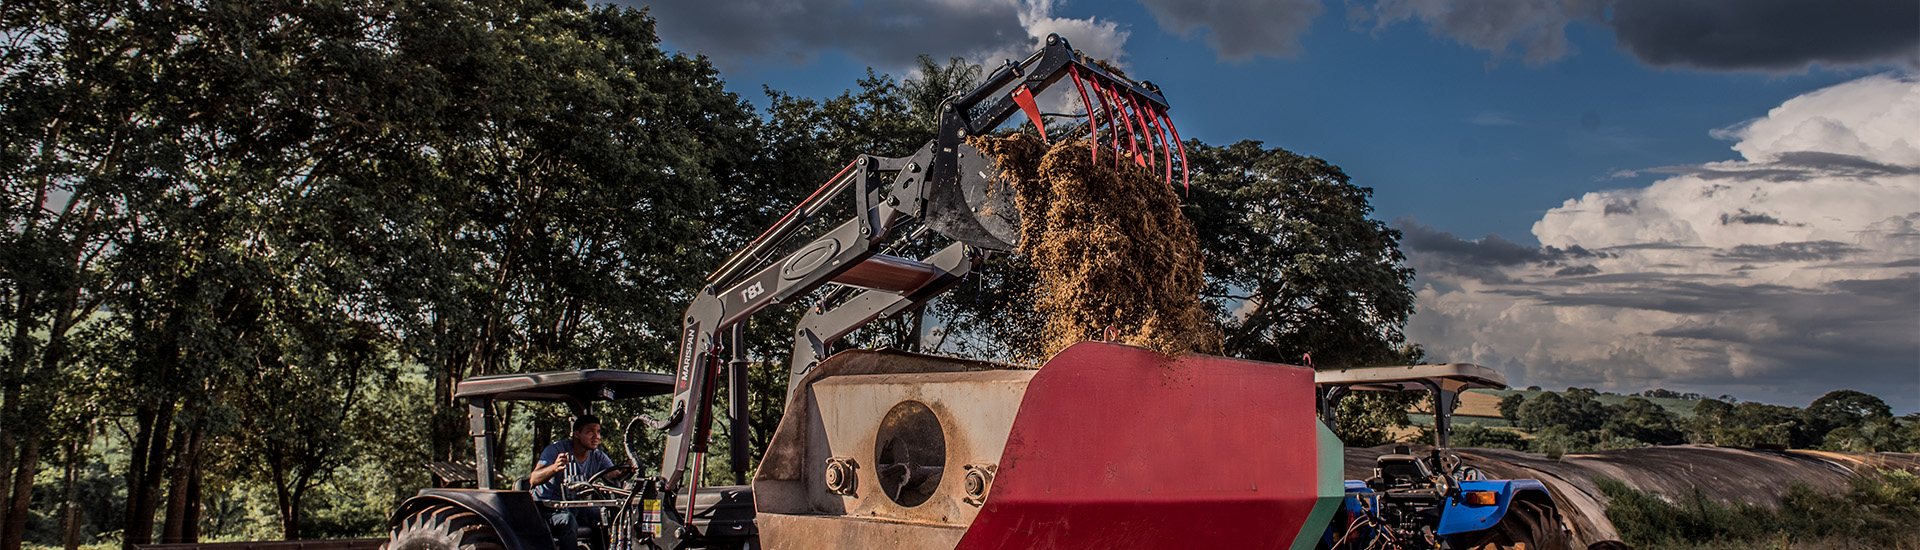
(1474, 435)
(1879, 511)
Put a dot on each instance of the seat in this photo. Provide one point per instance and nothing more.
(1400, 471)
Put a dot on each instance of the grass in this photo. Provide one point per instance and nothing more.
(1879, 511)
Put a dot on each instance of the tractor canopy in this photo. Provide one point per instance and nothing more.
(1444, 381)
(576, 388)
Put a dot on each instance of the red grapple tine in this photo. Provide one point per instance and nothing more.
(1134, 107)
(1159, 138)
(1113, 125)
(1133, 137)
(1024, 97)
(1160, 131)
(1093, 126)
(1185, 174)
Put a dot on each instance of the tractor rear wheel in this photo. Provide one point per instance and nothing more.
(444, 528)
(1527, 526)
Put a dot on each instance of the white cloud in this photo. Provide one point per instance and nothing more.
(1783, 275)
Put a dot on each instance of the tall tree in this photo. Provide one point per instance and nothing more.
(1294, 261)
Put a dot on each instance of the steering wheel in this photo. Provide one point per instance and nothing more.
(611, 476)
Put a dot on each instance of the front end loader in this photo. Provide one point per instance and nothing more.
(1104, 446)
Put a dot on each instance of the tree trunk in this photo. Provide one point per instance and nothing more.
(70, 504)
(16, 523)
(148, 460)
(191, 522)
(179, 492)
(23, 325)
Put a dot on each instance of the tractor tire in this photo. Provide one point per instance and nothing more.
(1527, 526)
(444, 528)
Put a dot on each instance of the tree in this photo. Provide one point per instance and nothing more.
(486, 186)
(1510, 407)
(1840, 409)
(1367, 419)
(1641, 420)
(936, 84)
(1576, 410)
(1474, 435)
(1294, 263)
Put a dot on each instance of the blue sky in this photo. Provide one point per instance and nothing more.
(1486, 128)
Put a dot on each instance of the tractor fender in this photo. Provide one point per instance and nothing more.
(1456, 516)
(512, 514)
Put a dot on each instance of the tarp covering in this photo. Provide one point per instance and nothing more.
(1725, 474)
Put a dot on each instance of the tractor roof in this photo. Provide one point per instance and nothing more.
(574, 387)
(1451, 377)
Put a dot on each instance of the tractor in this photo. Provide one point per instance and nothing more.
(1103, 446)
(1433, 500)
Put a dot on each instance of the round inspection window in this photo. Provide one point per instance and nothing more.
(909, 453)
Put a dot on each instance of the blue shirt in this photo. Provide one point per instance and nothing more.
(576, 472)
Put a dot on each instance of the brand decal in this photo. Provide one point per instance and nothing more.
(752, 292)
(686, 351)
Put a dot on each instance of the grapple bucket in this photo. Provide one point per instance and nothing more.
(1106, 446)
(981, 212)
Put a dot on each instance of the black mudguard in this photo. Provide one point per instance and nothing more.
(512, 514)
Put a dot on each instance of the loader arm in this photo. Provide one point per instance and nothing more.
(947, 185)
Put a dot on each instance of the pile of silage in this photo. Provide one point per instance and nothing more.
(1110, 248)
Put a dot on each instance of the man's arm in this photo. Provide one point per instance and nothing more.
(549, 467)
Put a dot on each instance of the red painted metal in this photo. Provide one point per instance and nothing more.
(1185, 175)
(1093, 124)
(1113, 125)
(1120, 447)
(1024, 97)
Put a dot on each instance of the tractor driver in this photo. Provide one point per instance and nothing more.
(573, 460)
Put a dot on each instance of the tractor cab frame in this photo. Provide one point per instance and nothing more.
(1434, 500)
(511, 518)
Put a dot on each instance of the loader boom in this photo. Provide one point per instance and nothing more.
(947, 185)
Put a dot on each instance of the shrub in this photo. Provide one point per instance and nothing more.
(1879, 511)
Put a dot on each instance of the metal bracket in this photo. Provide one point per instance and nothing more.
(842, 476)
(979, 483)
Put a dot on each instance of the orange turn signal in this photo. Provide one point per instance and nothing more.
(1480, 498)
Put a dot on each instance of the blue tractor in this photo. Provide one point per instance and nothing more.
(1433, 500)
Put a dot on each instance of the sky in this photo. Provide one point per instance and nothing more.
(1711, 196)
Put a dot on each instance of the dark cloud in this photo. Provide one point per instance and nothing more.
(1751, 218)
(1792, 166)
(886, 33)
(1239, 29)
(1726, 35)
(1682, 297)
(1577, 270)
(1789, 252)
(1843, 165)
(1768, 35)
(1489, 250)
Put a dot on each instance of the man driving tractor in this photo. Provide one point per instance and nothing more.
(573, 460)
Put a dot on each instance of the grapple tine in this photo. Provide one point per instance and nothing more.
(1160, 139)
(1186, 174)
(1093, 123)
(1134, 107)
(1133, 136)
(1113, 124)
(1024, 97)
(1160, 131)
